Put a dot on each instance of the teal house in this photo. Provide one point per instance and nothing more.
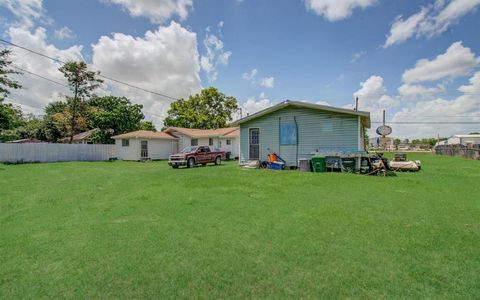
(297, 130)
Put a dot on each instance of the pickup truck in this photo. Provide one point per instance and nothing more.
(196, 155)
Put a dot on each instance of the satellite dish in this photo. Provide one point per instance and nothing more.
(384, 130)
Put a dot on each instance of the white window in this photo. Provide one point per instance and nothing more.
(125, 142)
(210, 142)
(229, 142)
(194, 142)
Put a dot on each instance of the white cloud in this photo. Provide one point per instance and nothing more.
(36, 93)
(215, 55)
(335, 10)
(250, 76)
(28, 12)
(416, 92)
(448, 15)
(372, 97)
(466, 106)
(474, 87)
(268, 82)
(64, 33)
(357, 56)
(456, 61)
(165, 60)
(157, 11)
(402, 30)
(321, 102)
(252, 105)
(371, 89)
(430, 21)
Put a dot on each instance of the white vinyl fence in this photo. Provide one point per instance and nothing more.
(17, 153)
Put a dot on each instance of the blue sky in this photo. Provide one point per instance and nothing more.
(265, 51)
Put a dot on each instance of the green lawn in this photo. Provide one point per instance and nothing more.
(143, 230)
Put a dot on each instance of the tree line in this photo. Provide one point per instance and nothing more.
(84, 110)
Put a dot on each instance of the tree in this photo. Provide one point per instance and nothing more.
(397, 142)
(82, 83)
(113, 115)
(10, 116)
(147, 125)
(208, 110)
(31, 128)
(6, 83)
(366, 138)
(58, 119)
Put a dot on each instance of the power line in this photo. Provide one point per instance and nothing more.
(99, 75)
(421, 123)
(40, 76)
(61, 84)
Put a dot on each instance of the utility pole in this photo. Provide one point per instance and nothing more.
(73, 122)
(383, 122)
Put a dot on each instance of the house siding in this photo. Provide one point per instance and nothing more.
(233, 147)
(218, 143)
(320, 131)
(157, 149)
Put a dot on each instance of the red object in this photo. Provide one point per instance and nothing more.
(272, 157)
(196, 155)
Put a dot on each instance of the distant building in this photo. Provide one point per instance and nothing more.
(224, 139)
(27, 141)
(464, 139)
(81, 138)
(384, 143)
(144, 144)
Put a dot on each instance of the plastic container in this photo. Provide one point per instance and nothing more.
(318, 164)
(275, 166)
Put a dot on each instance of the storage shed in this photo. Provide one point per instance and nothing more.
(297, 130)
(143, 144)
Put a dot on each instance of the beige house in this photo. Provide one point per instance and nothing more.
(224, 139)
(143, 144)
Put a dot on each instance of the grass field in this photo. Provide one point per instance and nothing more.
(144, 230)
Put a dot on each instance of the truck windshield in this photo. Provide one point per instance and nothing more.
(189, 149)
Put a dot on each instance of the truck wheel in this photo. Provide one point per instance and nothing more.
(218, 160)
(191, 162)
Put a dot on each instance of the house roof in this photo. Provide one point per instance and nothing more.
(466, 135)
(365, 116)
(27, 141)
(206, 133)
(233, 134)
(82, 135)
(145, 134)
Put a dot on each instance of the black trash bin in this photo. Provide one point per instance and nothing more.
(227, 155)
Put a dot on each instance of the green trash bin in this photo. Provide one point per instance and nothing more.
(318, 164)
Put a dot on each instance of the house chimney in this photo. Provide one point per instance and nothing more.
(356, 104)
